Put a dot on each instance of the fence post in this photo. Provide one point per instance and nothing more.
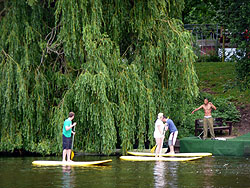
(223, 43)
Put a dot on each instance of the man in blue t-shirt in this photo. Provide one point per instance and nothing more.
(173, 133)
(67, 142)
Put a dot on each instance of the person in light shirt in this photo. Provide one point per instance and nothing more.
(159, 134)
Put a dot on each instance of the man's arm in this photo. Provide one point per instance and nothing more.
(197, 109)
(166, 127)
(69, 127)
(212, 105)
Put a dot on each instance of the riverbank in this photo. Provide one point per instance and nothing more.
(219, 79)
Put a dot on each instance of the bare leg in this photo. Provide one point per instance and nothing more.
(171, 149)
(159, 146)
(64, 155)
(68, 155)
(171, 141)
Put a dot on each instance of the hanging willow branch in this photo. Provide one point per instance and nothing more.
(116, 64)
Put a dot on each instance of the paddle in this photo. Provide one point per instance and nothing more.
(153, 149)
(72, 153)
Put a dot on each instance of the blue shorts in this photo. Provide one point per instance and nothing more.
(67, 142)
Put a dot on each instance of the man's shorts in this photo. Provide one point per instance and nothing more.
(67, 142)
(172, 138)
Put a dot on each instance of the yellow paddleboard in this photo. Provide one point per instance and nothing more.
(76, 163)
(138, 158)
(171, 155)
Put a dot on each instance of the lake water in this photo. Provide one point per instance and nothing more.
(18, 172)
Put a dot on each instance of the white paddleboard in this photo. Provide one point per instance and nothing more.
(138, 158)
(171, 155)
(76, 163)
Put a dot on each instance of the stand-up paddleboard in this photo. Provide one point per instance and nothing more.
(170, 155)
(138, 158)
(76, 163)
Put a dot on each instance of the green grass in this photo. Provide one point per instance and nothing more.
(219, 78)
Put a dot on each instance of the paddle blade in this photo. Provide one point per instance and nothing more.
(153, 149)
(72, 155)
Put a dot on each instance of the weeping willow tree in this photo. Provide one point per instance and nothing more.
(115, 63)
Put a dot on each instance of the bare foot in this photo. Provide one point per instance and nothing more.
(171, 153)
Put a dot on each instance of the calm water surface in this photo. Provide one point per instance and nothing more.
(206, 172)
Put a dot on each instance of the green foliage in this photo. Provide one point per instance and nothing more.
(201, 12)
(225, 108)
(234, 17)
(44, 147)
(238, 22)
(243, 73)
(210, 57)
(115, 64)
(220, 79)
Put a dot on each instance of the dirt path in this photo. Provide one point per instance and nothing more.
(243, 126)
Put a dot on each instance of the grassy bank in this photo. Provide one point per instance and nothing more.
(219, 79)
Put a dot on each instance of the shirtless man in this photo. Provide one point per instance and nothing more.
(208, 120)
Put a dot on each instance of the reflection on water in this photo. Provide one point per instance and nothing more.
(165, 174)
(173, 175)
(68, 178)
(159, 174)
(208, 172)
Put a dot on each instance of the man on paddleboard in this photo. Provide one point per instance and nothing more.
(208, 120)
(169, 124)
(67, 142)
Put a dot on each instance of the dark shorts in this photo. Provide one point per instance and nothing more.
(67, 142)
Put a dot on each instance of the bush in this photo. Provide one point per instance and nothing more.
(44, 147)
(225, 109)
(243, 73)
(212, 56)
